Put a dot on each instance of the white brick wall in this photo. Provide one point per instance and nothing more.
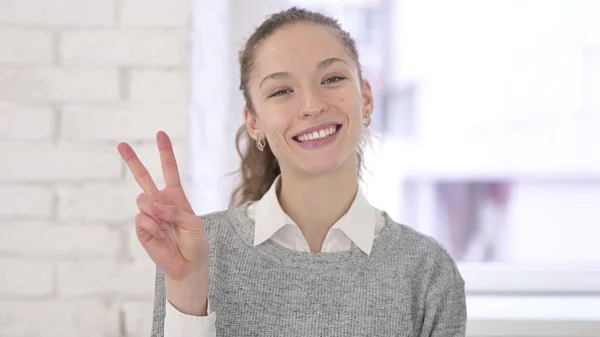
(88, 279)
(77, 77)
(97, 202)
(59, 13)
(26, 201)
(26, 122)
(60, 85)
(114, 122)
(174, 13)
(61, 318)
(25, 46)
(47, 162)
(22, 277)
(149, 47)
(158, 85)
(136, 318)
(60, 240)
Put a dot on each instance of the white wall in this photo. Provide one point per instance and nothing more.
(76, 77)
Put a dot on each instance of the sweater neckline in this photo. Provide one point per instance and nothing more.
(308, 261)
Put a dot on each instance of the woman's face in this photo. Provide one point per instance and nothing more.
(308, 99)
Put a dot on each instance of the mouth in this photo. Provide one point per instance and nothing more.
(318, 134)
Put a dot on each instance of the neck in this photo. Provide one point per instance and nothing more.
(317, 202)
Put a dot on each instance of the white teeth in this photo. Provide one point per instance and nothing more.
(317, 134)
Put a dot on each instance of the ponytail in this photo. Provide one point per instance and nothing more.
(258, 169)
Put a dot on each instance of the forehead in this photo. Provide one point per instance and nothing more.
(298, 46)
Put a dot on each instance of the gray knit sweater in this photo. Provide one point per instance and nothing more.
(407, 286)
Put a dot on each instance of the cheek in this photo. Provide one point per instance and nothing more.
(349, 103)
(276, 132)
(275, 135)
(275, 124)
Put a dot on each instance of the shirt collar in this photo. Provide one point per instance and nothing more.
(270, 217)
(358, 224)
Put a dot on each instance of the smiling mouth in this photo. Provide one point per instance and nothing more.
(319, 134)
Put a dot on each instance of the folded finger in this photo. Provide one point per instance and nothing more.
(144, 203)
(176, 215)
(146, 225)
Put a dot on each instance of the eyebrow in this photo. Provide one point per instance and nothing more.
(326, 63)
(284, 74)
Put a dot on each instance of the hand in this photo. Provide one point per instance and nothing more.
(170, 232)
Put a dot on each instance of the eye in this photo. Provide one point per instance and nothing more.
(280, 92)
(333, 79)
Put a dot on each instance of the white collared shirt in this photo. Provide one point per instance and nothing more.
(358, 227)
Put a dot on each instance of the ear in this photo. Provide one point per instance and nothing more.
(251, 122)
(367, 99)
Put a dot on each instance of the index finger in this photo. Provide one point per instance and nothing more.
(139, 171)
(167, 160)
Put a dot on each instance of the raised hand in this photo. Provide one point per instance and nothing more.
(170, 232)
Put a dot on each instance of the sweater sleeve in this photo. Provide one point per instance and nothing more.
(445, 303)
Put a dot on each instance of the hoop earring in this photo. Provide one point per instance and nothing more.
(260, 144)
(367, 121)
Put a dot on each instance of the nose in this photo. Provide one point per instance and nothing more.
(313, 104)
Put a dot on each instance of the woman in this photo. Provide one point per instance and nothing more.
(301, 252)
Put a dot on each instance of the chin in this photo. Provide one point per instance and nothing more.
(323, 166)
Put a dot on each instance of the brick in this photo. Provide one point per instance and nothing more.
(100, 278)
(46, 239)
(124, 123)
(159, 85)
(59, 85)
(123, 47)
(98, 202)
(25, 201)
(22, 277)
(58, 318)
(25, 122)
(48, 163)
(138, 318)
(25, 46)
(155, 13)
(87, 13)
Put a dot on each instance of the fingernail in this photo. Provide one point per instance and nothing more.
(166, 225)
